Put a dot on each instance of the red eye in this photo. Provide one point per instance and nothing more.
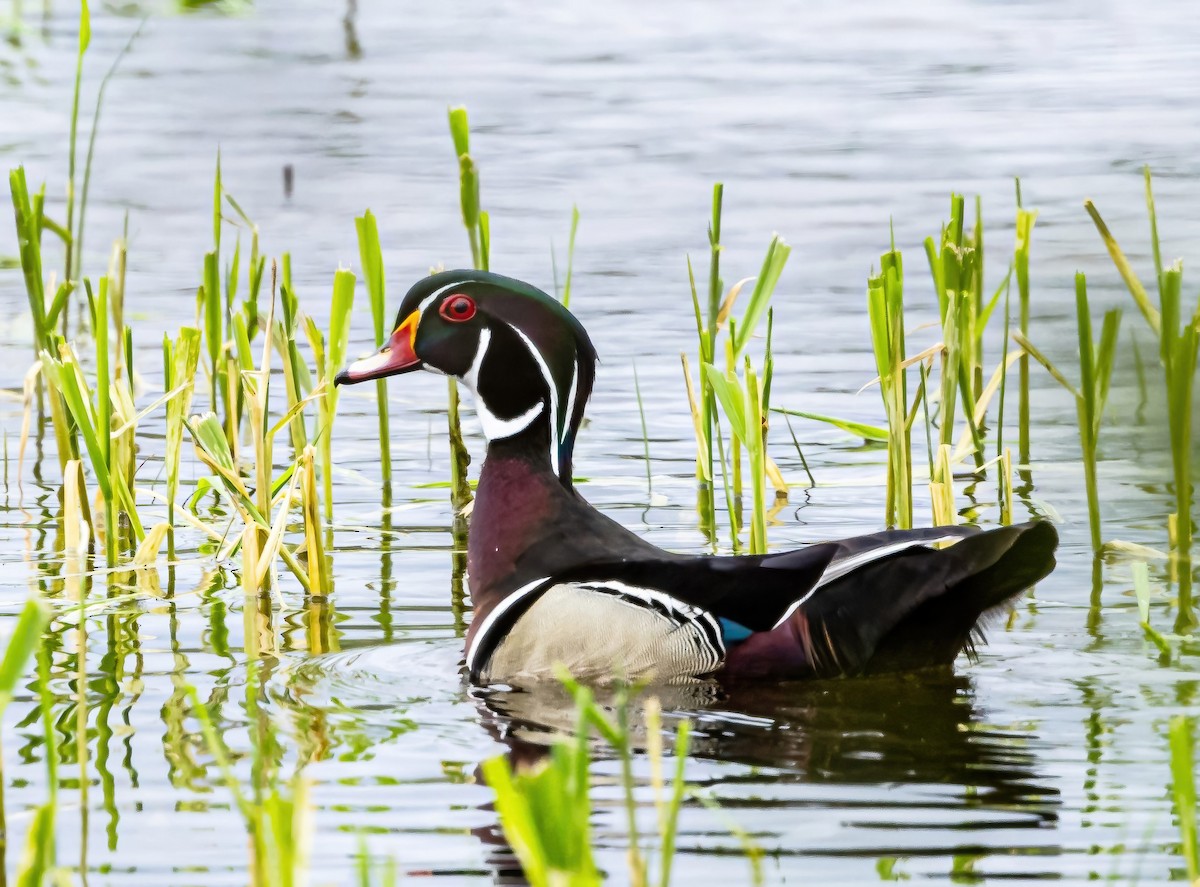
(458, 308)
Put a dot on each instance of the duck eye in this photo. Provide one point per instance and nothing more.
(458, 308)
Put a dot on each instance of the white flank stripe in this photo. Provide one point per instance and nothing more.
(838, 569)
(499, 610)
(646, 594)
(551, 393)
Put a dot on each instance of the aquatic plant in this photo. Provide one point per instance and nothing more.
(1095, 370)
(39, 858)
(213, 450)
(181, 358)
(1183, 790)
(30, 222)
(330, 355)
(955, 261)
(96, 412)
(1024, 233)
(70, 270)
(1179, 344)
(545, 811)
(885, 309)
(371, 256)
(478, 226)
(277, 816)
(737, 391)
(297, 377)
(704, 409)
(565, 295)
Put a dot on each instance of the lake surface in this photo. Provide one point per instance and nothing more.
(1044, 760)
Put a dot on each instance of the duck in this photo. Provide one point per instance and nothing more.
(554, 583)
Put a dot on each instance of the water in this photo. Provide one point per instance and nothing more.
(1046, 759)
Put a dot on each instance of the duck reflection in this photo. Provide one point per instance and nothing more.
(910, 729)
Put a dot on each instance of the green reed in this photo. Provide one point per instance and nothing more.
(478, 226)
(637, 390)
(210, 304)
(371, 256)
(546, 810)
(181, 358)
(565, 295)
(22, 643)
(277, 817)
(389, 875)
(1178, 354)
(38, 862)
(1183, 789)
(1178, 335)
(85, 37)
(296, 374)
(266, 509)
(885, 309)
(1024, 232)
(212, 449)
(956, 265)
(741, 393)
(30, 223)
(952, 264)
(1096, 360)
(330, 355)
(93, 414)
(78, 232)
(706, 332)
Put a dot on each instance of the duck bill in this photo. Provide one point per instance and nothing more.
(395, 357)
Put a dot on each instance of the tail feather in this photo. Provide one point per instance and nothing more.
(915, 608)
(939, 629)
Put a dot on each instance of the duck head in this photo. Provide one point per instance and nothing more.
(527, 360)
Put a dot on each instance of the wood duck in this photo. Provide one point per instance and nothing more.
(553, 581)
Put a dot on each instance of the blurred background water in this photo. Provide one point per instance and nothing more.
(1044, 760)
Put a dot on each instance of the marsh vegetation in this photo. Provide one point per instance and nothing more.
(236, 595)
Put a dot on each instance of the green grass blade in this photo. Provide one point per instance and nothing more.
(1183, 788)
(1105, 356)
(764, 287)
(855, 429)
(30, 249)
(731, 398)
(1087, 362)
(20, 646)
(637, 389)
(371, 256)
(1158, 265)
(566, 298)
(1037, 355)
(1024, 226)
(1125, 269)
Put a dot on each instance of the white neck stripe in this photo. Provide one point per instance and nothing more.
(551, 393)
(569, 414)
